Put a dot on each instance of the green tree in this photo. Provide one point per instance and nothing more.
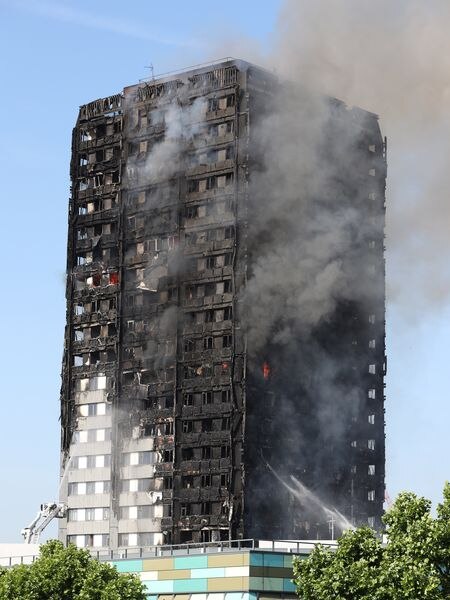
(68, 574)
(413, 565)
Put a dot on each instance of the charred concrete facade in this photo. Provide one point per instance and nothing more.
(172, 427)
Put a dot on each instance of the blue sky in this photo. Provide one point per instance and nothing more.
(55, 56)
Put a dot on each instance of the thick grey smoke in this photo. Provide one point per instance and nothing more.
(306, 224)
(164, 159)
(392, 58)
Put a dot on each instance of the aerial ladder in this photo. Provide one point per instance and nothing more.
(46, 514)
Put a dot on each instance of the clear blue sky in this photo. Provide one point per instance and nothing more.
(55, 56)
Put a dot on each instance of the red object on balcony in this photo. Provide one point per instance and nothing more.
(114, 278)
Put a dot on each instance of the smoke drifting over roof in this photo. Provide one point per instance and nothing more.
(392, 58)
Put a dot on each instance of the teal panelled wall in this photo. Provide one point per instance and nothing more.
(240, 575)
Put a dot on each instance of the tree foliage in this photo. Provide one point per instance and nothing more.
(413, 565)
(70, 573)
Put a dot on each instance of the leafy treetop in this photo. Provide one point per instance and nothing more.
(70, 573)
(413, 565)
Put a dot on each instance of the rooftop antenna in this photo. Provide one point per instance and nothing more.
(152, 71)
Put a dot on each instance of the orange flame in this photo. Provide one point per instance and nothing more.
(266, 370)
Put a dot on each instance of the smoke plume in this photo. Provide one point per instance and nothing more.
(392, 58)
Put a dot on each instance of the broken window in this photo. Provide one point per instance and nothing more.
(149, 430)
(101, 130)
(213, 104)
(187, 426)
(189, 345)
(79, 309)
(226, 395)
(168, 456)
(85, 135)
(193, 185)
(206, 508)
(95, 331)
(209, 289)
(82, 233)
(224, 368)
(207, 425)
(187, 454)
(78, 335)
(209, 316)
(165, 428)
(227, 313)
(191, 212)
(226, 341)
(113, 278)
(98, 180)
(84, 258)
(227, 286)
(188, 399)
(229, 232)
(207, 397)
(83, 185)
(187, 481)
(206, 480)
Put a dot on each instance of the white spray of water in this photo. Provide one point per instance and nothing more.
(310, 500)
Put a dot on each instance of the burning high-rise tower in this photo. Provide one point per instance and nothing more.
(225, 313)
